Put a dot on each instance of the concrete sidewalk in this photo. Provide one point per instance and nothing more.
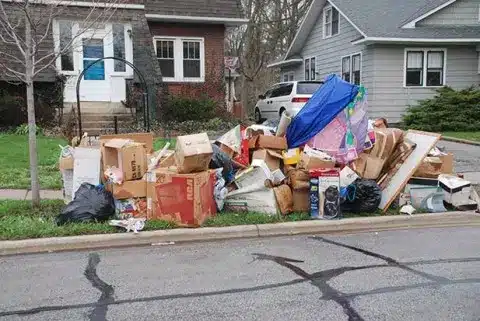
(24, 194)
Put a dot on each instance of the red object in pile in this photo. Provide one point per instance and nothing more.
(244, 157)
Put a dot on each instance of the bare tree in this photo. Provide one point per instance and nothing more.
(27, 50)
(270, 31)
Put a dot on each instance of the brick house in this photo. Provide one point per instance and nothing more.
(180, 42)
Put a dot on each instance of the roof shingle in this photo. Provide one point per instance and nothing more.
(196, 8)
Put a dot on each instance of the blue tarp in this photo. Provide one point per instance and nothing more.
(330, 99)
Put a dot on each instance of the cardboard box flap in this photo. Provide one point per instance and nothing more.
(274, 154)
(194, 145)
(143, 138)
(117, 143)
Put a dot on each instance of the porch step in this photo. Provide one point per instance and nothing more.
(101, 123)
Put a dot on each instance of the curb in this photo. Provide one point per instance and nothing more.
(347, 226)
(459, 140)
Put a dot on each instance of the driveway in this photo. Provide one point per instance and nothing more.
(431, 274)
(467, 159)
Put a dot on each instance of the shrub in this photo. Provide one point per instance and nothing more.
(448, 110)
(181, 109)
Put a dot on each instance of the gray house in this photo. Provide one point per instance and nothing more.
(399, 50)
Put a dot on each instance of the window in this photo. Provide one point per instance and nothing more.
(308, 88)
(330, 22)
(180, 59)
(66, 57)
(346, 68)
(282, 90)
(352, 68)
(119, 47)
(310, 69)
(425, 68)
(165, 56)
(288, 76)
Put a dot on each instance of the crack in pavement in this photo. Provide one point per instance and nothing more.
(99, 313)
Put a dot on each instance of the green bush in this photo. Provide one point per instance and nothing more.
(448, 110)
(181, 109)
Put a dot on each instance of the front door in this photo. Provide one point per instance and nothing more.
(95, 85)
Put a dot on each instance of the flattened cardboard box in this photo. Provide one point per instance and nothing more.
(186, 199)
(130, 158)
(193, 153)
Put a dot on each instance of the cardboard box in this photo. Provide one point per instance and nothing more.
(168, 161)
(432, 167)
(301, 201)
(284, 197)
(312, 162)
(368, 166)
(130, 158)
(253, 175)
(268, 142)
(186, 199)
(129, 189)
(325, 193)
(142, 138)
(193, 153)
(271, 158)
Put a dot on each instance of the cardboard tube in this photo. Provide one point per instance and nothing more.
(285, 121)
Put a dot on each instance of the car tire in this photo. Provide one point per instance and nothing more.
(258, 116)
(280, 113)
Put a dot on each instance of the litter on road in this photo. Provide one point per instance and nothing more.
(330, 158)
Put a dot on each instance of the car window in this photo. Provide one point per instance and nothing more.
(307, 88)
(268, 94)
(282, 90)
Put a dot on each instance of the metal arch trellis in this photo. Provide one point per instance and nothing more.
(146, 108)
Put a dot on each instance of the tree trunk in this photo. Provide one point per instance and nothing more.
(32, 128)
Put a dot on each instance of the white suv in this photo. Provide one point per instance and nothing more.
(287, 96)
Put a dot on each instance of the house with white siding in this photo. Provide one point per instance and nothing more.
(401, 51)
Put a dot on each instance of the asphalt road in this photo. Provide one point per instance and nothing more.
(431, 274)
(467, 157)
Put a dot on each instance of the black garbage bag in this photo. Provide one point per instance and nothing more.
(363, 196)
(91, 204)
(220, 159)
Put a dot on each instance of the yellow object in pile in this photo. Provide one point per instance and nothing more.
(291, 156)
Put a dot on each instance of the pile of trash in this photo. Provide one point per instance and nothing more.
(328, 159)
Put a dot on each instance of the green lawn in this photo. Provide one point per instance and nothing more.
(14, 162)
(475, 136)
(19, 221)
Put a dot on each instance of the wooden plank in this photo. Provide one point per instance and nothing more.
(424, 141)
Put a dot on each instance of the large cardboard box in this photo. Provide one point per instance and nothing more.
(432, 167)
(128, 156)
(268, 142)
(283, 194)
(271, 158)
(129, 189)
(311, 162)
(193, 153)
(299, 179)
(186, 199)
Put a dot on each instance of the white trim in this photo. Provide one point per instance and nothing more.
(425, 66)
(228, 21)
(284, 62)
(412, 24)
(178, 57)
(83, 4)
(351, 65)
(346, 18)
(298, 32)
(310, 68)
(423, 40)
